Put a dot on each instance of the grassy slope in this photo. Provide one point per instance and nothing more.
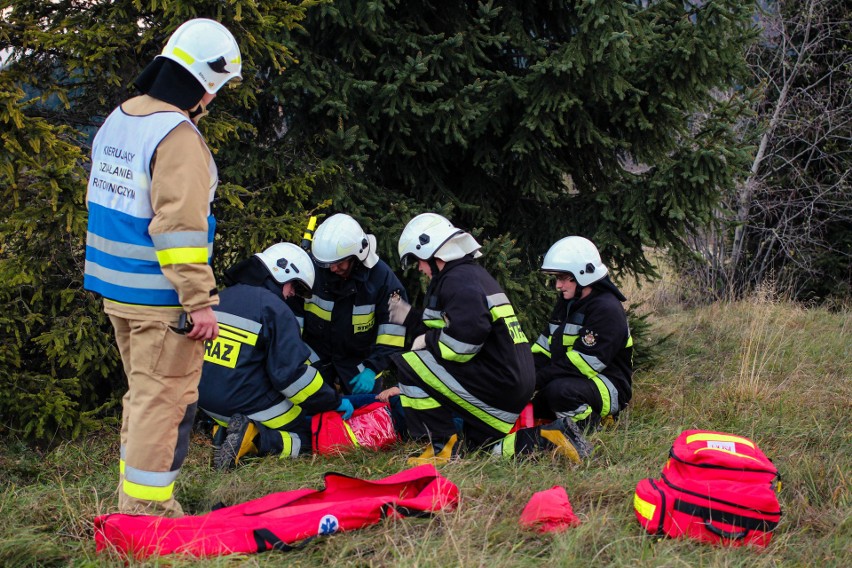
(770, 371)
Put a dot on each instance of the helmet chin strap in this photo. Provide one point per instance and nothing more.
(433, 266)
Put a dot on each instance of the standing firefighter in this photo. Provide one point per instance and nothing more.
(346, 320)
(148, 247)
(584, 362)
(255, 380)
(470, 358)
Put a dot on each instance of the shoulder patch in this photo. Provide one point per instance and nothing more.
(590, 338)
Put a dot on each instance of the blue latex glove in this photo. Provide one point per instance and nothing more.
(363, 382)
(346, 408)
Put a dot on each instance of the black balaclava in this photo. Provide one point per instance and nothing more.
(167, 81)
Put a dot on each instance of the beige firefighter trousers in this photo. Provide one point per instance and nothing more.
(163, 369)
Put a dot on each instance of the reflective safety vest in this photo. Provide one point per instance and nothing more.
(276, 521)
(122, 259)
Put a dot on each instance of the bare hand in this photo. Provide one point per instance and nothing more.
(204, 324)
(419, 343)
(385, 395)
(397, 309)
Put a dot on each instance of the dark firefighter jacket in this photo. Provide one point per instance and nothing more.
(346, 320)
(589, 338)
(257, 365)
(473, 333)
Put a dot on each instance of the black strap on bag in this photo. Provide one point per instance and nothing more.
(268, 540)
(710, 515)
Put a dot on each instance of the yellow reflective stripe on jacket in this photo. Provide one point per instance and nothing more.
(363, 317)
(607, 391)
(305, 386)
(454, 350)
(424, 364)
(503, 311)
(418, 403)
(319, 307)
(318, 311)
(391, 334)
(188, 255)
(416, 398)
(433, 319)
(283, 419)
(235, 333)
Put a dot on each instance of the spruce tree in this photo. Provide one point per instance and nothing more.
(522, 121)
(66, 66)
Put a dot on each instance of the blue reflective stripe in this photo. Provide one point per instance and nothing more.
(127, 295)
(119, 265)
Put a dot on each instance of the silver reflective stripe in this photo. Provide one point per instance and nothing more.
(432, 314)
(361, 367)
(150, 478)
(326, 305)
(281, 408)
(451, 383)
(313, 357)
(613, 394)
(363, 310)
(124, 250)
(571, 329)
(543, 342)
(553, 327)
(301, 322)
(122, 452)
(295, 444)
(392, 329)
(459, 347)
(268, 414)
(307, 378)
(413, 392)
(593, 362)
(180, 239)
(572, 413)
(217, 417)
(497, 300)
(243, 323)
(141, 281)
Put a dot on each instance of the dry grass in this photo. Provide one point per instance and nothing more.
(763, 368)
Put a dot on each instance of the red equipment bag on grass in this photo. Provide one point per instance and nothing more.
(370, 427)
(276, 521)
(715, 487)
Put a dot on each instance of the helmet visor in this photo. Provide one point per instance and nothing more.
(301, 289)
(408, 260)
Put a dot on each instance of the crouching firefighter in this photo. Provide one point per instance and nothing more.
(346, 319)
(255, 380)
(470, 359)
(584, 361)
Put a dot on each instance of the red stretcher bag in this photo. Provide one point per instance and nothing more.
(369, 427)
(277, 521)
(716, 488)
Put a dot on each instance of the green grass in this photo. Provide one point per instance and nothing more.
(774, 372)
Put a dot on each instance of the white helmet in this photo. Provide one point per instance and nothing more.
(207, 50)
(339, 237)
(287, 262)
(576, 255)
(430, 234)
